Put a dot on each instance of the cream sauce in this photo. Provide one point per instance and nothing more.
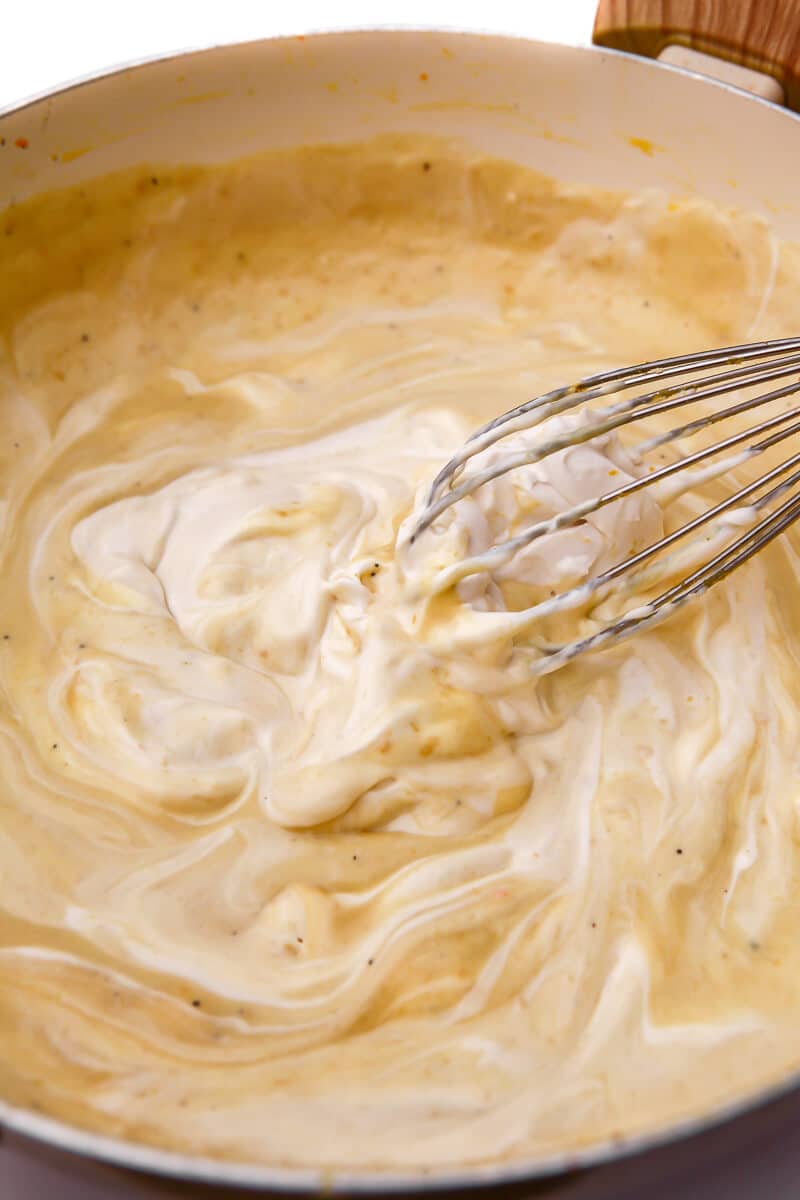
(287, 872)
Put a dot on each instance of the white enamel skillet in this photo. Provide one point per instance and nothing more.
(593, 116)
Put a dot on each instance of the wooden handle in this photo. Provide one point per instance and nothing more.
(761, 34)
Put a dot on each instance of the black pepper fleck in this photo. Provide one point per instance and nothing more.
(426, 166)
(154, 180)
(195, 1004)
(679, 851)
(370, 961)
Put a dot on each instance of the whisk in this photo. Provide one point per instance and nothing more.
(765, 507)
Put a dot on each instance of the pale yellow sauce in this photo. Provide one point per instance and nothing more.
(282, 877)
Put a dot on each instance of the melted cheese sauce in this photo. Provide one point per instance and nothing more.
(286, 873)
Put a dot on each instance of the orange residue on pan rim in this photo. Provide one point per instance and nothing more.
(644, 144)
(202, 98)
(68, 156)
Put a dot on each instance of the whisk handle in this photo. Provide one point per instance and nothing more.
(761, 35)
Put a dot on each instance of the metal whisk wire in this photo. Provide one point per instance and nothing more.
(746, 366)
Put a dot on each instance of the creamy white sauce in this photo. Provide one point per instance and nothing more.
(298, 862)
